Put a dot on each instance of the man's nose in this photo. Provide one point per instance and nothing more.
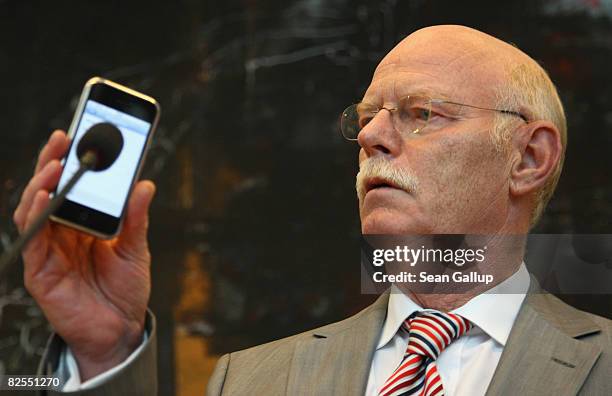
(379, 135)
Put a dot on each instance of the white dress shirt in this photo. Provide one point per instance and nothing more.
(68, 370)
(467, 365)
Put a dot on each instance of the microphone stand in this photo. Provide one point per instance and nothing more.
(88, 161)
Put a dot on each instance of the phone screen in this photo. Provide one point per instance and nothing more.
(106, 191)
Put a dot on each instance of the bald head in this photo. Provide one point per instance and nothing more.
(462, 59)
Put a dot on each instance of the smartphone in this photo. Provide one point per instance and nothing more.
(97, 202)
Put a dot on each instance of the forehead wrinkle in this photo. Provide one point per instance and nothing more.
(469, 56)
(471, 75)
(401, 83)
(483, 65)
(397, 60)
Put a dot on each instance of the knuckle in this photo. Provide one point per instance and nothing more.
(39, 162)
(17, 217)
(43, 150)
(27, 191)
(28, 283)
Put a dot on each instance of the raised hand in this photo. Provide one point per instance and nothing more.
(93, 292)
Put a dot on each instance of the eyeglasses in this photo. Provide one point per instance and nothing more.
(412, 114)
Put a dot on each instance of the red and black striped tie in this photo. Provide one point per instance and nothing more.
(429, 332)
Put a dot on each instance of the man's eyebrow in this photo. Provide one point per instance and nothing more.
(430, 93)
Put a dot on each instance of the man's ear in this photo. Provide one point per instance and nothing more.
(538, 148)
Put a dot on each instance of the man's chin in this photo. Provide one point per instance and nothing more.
(383, 221)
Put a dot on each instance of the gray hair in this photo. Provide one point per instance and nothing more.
(530, 90)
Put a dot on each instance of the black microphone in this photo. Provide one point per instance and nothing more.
(104, 141)
(97, 150)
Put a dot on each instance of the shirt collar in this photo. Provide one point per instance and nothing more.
(493, 311)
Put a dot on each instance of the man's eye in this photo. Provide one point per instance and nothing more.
(363, 121)
(423, 114)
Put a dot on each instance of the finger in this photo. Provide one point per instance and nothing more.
(35, 251)
(46, 179)
(133, 237)
(54, 149)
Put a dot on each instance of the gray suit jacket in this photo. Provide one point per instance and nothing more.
(553, 349)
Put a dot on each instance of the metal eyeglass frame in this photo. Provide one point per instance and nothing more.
(430, 100)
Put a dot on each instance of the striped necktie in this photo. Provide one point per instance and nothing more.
(429, 332)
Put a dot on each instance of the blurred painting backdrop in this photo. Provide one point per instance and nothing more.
(255, 229)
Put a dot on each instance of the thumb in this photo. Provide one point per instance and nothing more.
(133, 237)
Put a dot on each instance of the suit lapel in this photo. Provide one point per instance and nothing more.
(541, 355)
(336, 359)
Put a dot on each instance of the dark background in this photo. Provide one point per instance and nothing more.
(256, 209)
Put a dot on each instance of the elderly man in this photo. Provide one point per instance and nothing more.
(459, 133)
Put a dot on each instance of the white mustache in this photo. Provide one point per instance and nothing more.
(380, 167)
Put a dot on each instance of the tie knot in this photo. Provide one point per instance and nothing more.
(432, 331)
